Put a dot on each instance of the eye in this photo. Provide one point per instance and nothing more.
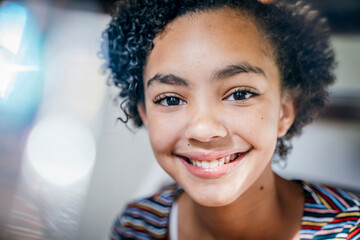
(168, 101)
(241, 95)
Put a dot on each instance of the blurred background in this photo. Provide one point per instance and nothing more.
(67, 166)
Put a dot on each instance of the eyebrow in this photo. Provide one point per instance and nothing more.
(235, 69)
(169, 79)
(223, 73)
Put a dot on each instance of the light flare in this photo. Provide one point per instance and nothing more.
(13, 22)
(13, 18)
(61, 150)
(8, 72)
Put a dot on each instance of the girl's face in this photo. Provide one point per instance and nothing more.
(213, 106)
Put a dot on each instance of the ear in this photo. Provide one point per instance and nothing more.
(287, 114)
(142, 113)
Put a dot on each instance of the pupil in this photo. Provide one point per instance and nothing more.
(173, 101)
(239, 96)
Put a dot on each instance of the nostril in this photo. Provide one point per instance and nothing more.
(205, 131)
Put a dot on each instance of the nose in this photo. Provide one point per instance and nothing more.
(205, 126)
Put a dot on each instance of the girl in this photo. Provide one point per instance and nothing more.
(222, 86)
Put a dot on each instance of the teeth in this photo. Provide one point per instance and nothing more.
(221, 161)
(227, 159)
(205, 164)
(215, 163)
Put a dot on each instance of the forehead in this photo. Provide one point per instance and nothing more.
(208, 35)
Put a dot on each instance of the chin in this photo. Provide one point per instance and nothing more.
(212, 195)
(215, 202)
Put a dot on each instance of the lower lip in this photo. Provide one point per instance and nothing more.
(212, 172)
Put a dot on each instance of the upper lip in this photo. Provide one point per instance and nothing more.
(208, 156)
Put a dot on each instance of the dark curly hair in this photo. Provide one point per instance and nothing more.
(298, 36)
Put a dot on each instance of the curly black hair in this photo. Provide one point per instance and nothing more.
(298, 36)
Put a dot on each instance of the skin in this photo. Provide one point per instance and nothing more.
(207, 120)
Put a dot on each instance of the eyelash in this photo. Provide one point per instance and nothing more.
(249, 93)
(162, 99)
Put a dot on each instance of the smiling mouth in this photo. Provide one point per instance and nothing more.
(214, 163)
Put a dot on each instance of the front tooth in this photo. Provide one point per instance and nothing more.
(214, 164)
(205, 164)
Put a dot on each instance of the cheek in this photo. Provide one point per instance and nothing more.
(256, 125)
(164, 132)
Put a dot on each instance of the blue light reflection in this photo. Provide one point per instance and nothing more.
(20, 76)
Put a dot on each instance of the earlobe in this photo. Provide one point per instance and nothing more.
(287, 115)
(142, 113)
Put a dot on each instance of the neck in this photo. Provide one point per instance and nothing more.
(261, 211)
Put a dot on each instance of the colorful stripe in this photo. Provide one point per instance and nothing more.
(329, 213)
(147, 218)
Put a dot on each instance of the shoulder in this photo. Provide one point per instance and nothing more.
(331, 197)
(146, 218)
(331, 212)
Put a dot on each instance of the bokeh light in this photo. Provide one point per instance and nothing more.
(12, 25)
(61, 149)
(20, 76)
(81, 93)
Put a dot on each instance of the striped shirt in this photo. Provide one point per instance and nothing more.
(329, 213)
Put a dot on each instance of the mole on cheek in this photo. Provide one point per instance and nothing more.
(261, 188)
